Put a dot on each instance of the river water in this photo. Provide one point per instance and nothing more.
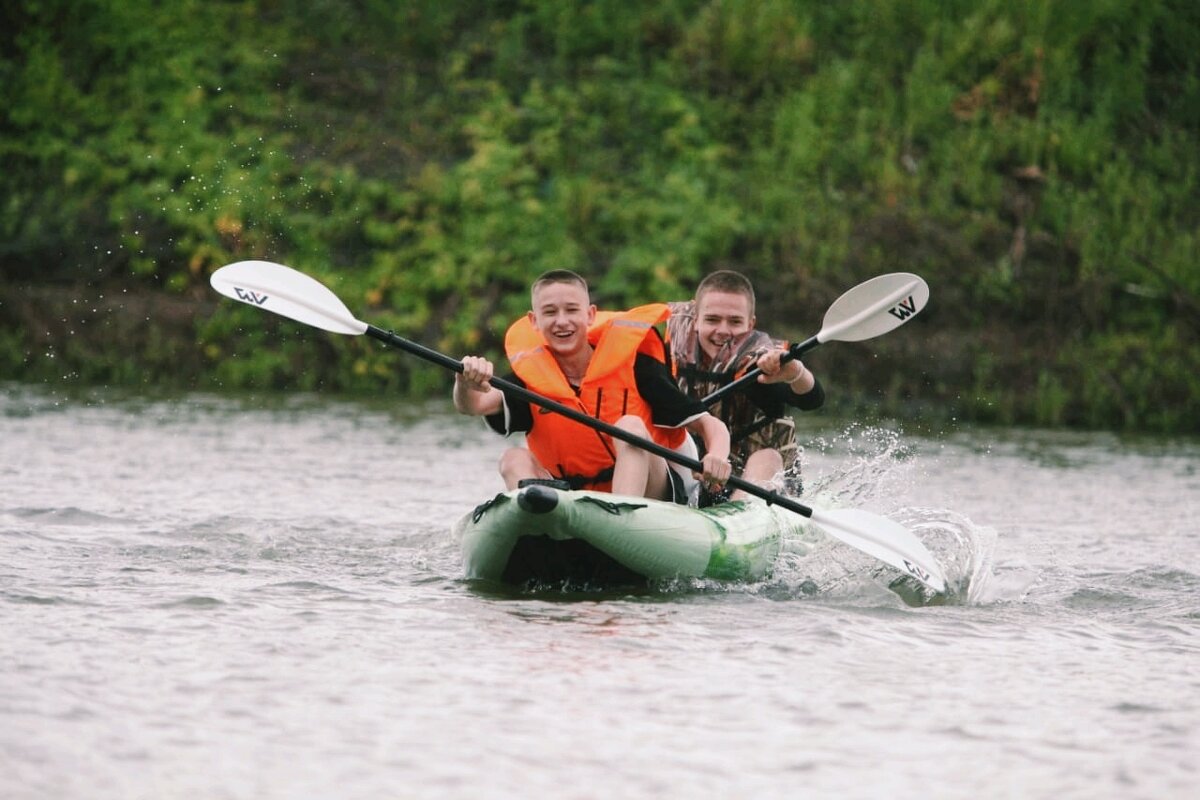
(215, 598)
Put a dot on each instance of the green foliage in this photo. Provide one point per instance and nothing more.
(1035, 161)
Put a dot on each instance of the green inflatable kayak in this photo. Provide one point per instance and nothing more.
(544, 535)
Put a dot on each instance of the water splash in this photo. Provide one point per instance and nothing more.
(967, 553)
(866, 465)
(874, 468)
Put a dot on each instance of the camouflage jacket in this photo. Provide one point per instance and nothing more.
(751, 427)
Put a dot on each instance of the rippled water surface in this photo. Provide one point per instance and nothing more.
(239, 599)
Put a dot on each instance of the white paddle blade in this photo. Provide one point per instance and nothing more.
(874, 307)
(286, 292)
(888, 541)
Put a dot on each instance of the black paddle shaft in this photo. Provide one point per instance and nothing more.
(794, 352)
(583, 419)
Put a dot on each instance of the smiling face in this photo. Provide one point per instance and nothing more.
(562, 313)
(721, 317)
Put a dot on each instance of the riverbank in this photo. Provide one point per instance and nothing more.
(74, 338)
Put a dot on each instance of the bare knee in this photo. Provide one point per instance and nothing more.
(761, 468)
(516, 464)
(637, 471)
(763, 465)
(633, 424)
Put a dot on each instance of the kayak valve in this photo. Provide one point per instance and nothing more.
(537, 499)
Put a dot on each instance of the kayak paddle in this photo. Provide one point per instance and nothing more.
(872, 308)
(284, 291)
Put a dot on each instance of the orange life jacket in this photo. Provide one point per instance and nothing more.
(574, 452)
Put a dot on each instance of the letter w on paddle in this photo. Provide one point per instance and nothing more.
(248, 296)
(904, 309)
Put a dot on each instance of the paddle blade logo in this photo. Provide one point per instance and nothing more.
(247, 296)
(915, 570)
(904, 309)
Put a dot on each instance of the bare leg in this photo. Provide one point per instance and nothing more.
(761, 468)
(516, 464)
(638, 473)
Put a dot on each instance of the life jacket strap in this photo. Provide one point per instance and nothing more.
(584, 481)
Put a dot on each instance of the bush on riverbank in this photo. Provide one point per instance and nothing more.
(1036, 163)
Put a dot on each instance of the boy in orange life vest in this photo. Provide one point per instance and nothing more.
(713, 340)
(613, 367)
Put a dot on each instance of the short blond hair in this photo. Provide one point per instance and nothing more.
(557, 276)
(726, 280)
